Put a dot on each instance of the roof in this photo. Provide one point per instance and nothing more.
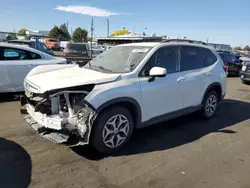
(148, 44)
(22, 41)
(130, 36)
(152, 44)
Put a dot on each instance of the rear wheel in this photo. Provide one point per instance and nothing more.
(112, 130)
(210, 104)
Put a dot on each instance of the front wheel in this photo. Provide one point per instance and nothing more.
(112, 130)
(245, 82)
(210, 104)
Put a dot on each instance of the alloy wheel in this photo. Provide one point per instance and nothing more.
(115, 131)
(211, 105)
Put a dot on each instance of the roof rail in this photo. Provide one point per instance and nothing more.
(224, 51)
(185, 40)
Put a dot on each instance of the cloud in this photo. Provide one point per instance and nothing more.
(87, 10)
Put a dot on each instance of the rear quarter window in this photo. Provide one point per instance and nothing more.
(209, 57)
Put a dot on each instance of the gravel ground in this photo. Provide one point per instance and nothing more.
(187, 152)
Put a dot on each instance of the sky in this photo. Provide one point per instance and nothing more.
(222, 21)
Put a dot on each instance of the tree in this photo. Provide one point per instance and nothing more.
(55, 32)
(22, 31)
(80, 35)
(64, 32)
(11, 36)
(89, 38)
(237, 48)
(246, 48)
(120, 32)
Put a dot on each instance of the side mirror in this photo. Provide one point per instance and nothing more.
(157, 72)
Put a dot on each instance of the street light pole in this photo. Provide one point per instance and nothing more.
(92, 29)
(107, 27)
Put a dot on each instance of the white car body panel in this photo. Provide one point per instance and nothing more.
(66, 76)
(161, 96)
(13, 72)
(164, 95)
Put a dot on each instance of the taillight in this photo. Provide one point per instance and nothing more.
(225, 68)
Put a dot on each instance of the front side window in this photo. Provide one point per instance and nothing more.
(165, 57)
(119, 59)
(191, 58)
(18, 54)
(15, 54)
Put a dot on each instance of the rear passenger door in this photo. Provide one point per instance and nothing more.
(193, 70)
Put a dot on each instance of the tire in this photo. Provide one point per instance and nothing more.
(237, 74)
(245, 82)
(210, 96)
(106, 142)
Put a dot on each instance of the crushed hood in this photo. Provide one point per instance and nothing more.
(51, 77)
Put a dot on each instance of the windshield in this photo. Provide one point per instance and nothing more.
(119, 59)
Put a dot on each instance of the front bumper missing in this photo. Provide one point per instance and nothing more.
(55, 128)
(56, 137)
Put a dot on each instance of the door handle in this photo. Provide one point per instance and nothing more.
(180, 79)
(208, 73)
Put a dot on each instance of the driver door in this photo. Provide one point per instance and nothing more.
(161, 98)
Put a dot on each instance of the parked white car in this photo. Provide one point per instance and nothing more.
(127, 87)
(15, 63)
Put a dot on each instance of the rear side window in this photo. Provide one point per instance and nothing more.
(35, 56)
(191, 58)
(209, 57)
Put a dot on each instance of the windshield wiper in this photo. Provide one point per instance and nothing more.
(102, 68)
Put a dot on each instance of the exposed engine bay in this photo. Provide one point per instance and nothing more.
(61, 115)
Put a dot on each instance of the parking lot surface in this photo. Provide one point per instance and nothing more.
(188, 152)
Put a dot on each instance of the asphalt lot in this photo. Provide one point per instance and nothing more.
(187, 152)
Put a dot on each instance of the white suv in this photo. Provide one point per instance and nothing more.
(127, 87)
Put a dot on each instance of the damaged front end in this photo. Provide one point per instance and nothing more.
(61, 116)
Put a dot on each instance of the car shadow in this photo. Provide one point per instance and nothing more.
(10, 97)
(15, 165)
(179, 132)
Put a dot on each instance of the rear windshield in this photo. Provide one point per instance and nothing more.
(77, 47)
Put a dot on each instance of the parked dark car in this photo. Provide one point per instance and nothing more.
(230, 60)
(76, 50)
(40, 46)
(245, 73)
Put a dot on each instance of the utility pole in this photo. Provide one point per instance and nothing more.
(92, 30)
(67, 26)
(107, 27)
